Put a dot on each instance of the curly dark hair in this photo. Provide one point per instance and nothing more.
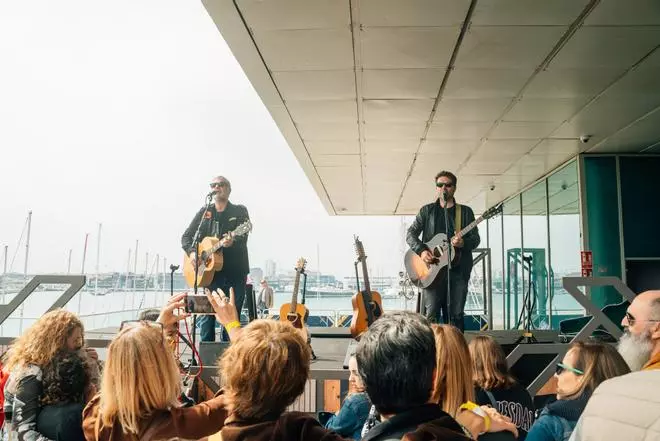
(65, 379)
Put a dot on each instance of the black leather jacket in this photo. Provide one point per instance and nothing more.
(236, 263)
(431, 220)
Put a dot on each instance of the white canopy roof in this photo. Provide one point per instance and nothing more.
(374, 97)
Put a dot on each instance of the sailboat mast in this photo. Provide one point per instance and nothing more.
(137, 242)
(27, 244)
(6, 254)
(82, 270)
(156, 271)
(146, 268)
(68, 265)
(98, 257)
(128, 269)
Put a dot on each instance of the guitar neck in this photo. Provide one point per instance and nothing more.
(365, 275)
(470, 226)
(294, 296)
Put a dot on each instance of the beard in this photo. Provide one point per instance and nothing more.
(635, 349)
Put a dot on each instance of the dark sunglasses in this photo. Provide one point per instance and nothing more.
(444, 184)
(561, 367)
(631, 319)
(218, 184)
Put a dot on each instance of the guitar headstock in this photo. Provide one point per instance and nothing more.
(359, 249)
(300, 265)
(243, 228)
(493, 211)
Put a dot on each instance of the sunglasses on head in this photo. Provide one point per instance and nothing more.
(444, 184)
(126, 324)
(218, 184)
(561, 367)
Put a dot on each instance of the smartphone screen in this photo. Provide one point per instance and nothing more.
(198, 304)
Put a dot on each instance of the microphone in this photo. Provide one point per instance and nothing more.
(444, 194)
(211, 193)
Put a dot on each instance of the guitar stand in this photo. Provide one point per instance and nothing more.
(314, 357)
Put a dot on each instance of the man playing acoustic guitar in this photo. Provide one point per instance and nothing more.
(219, 219)
(430, 221)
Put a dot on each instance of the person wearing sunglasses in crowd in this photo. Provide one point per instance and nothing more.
(640, 343)
(637, 415)
(584, 367)
(431, 221)
(218, 220)
(141, 387)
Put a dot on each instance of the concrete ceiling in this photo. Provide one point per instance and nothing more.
(376, 96)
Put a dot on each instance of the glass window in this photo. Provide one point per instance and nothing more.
(494, 242)
(513, 272)
(534, 258)
(565, 246)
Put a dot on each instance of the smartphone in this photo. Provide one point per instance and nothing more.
(198, 304)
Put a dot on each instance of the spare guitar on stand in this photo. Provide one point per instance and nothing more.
(367, 304)
(294, 312)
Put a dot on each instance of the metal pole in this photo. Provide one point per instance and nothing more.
(146, 269)
(156, 278)
(5, 265)
(82, 270)
(98, 257)
(68, 265)
(137, 242)
(128, 269)
(164, 279)
(27, 245)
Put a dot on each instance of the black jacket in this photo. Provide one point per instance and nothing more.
(236, 263)
(429, 420)
(431, 221)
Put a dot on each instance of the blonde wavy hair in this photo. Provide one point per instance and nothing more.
(140, 377)
(453, 382)
(41, 341)
(266, 369)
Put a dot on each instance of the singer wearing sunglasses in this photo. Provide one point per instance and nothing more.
(218, 220)
(583, 368)
(439, 305)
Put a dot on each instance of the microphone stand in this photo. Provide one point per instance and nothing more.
(449, 255)
(173, 268)
(196, 240)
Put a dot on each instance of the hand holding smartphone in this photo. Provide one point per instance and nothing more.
(198, 304)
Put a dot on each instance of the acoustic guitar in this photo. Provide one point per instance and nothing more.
(295, 312)
(209, 256)
(367, 304)
(423, 274)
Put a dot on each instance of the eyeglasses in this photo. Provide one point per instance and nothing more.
(218, 184)
(444, 184)
(561, 367)
(126, 324)
(631, 319)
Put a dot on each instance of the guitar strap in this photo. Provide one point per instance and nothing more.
(457, 219)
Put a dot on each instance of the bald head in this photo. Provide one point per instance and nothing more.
(650, 301)
(641, 341)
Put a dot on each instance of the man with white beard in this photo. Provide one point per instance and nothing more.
(628, 407)
(640, 343)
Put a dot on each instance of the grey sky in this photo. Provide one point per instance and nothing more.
(120, 112)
